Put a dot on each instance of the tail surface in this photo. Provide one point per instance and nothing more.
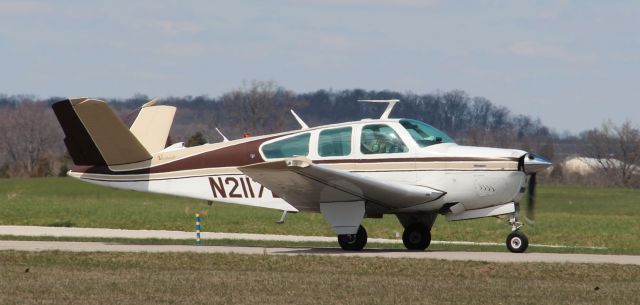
(152, 126)
(94, 135)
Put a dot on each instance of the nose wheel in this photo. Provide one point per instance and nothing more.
(517, 242)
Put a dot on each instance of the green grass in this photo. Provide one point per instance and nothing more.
(572, 216)
(192, 278)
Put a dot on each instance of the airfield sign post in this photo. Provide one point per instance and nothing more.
(197, 229)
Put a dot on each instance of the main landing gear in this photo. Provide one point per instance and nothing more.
(417, 230)
(353, 242)
(416, 236)
(517, 242)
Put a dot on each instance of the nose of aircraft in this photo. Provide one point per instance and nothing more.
(534, 163)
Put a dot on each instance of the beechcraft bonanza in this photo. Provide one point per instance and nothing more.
(346, 171)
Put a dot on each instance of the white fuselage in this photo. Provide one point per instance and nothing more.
(477, 177)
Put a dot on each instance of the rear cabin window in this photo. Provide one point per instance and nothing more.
(335, 142)
(289, 147)
(381, 139)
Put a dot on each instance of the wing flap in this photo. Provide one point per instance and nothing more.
(305, 185)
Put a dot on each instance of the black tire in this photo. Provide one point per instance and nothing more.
(353, 242)
(517, 242)
(416, 237)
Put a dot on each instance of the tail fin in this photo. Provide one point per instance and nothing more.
(95, 135)
(152, 126)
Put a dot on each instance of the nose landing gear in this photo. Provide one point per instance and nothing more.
(517, 242)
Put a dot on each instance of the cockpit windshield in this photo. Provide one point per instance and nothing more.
(425, 134)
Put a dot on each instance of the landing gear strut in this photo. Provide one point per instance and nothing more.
(416, 237)
(517, 242)
(353, 242)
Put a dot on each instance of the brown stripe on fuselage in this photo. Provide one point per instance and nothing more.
(240, 155)
(235, 155)
(413, 159)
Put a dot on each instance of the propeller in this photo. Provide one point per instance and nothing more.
(532, 164)
(531, 202)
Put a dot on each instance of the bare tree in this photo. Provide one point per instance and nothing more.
(617, 151)
(261, 107)
(30, 139)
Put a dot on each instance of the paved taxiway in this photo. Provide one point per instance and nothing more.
(498, 257)
(164, 234)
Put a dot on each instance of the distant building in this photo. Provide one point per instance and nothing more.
(585, 166)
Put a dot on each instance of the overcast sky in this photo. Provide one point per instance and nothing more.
(574, 64)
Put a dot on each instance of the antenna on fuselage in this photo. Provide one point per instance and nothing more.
(391, 103)
(224, 139)
(303, 125)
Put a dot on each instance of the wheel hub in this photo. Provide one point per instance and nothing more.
(414, 237)
(516, 242)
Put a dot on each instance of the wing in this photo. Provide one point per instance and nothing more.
(305, 185)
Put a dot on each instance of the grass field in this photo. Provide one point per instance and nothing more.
(572, 216)
(188, 278)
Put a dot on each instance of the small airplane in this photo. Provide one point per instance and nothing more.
(346, 171)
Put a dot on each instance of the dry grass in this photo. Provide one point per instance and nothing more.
(127, 278)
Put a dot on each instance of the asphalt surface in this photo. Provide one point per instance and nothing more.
(391, 253)
(164, 234)
(497, 257)
(160, 234)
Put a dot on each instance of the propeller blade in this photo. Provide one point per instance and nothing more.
(531, 202)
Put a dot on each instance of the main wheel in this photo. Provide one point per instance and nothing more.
(416, 237)
(353, 242)
(517, 242)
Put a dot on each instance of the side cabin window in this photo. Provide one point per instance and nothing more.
(334, 142)
(289, 147)
(381, 139)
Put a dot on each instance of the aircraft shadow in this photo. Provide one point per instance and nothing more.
(340, 251)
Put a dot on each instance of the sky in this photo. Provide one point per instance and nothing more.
(573, 64)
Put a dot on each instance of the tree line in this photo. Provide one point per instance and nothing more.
(32, 141)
